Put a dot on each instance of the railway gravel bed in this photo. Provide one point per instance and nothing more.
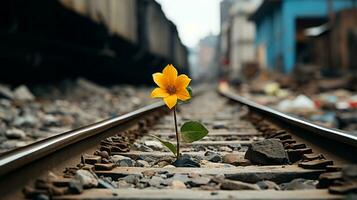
(244, 156)
(31, 114)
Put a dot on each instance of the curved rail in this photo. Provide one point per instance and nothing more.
(17, 158)
(330, 133)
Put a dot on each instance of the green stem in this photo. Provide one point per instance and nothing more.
(177, 136)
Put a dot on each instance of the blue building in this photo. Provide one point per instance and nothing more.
(280, 25)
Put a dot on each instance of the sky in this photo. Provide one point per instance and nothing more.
(194, 18)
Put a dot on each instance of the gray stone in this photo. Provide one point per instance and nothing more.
(156, 181)
(219, 125)
(122, 161)
(10, 144)
(87, 179)
(267, 152)
(213, 157)
(15, 133)
(50, 120)
(235, 147)
(299, 184)
(142, 147)
(142, 163)
(153, 144)
(198, 181)
(185, 161)
(226, 149)
(5, 92)
(268, 185)
(7, 114)
(26, 121)
(181, 177)
(123, 184)
(75, 187)
(132, 178)
(22, 93)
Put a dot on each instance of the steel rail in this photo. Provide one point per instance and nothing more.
(329, 133)
(19, 157)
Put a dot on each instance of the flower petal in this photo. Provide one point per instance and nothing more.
(160, 80)
(170, 73)
(182, 82)
(170, 101)
(183, 95)
(159, 92)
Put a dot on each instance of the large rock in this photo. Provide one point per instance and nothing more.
(267, 152)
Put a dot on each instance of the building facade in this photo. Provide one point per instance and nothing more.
(279, 28)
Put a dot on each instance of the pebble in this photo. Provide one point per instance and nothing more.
(86, 178)
(15, 134)
(226, 149)
(235, 160)
(268, 185)
(235, 147)
(219, 125)
(122, 161)
(5, 92)
(213, 157)
(148, 173)
(176, 184)
(26, 121)
(169, 166)
(123, 184)
(267, 152)
(237, 185)
(153, 144)
(142, 163)
(132, 178)
(185, 161)
(299, 184)
(208, 164)
(22, 93)
(198, 181)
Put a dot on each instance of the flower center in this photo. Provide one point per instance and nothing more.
(171, 89)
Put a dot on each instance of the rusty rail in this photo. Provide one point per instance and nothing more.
(20, 157)
(345, 142)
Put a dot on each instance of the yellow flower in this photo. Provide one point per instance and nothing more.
(171, 87)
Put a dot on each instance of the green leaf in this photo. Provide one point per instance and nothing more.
(189, 89)
(192, 131)
(169, 145)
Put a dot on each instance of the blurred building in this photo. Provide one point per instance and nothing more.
(281, 26)
(237, 36)
(207, 62)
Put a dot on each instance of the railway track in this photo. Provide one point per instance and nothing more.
(251, 152)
